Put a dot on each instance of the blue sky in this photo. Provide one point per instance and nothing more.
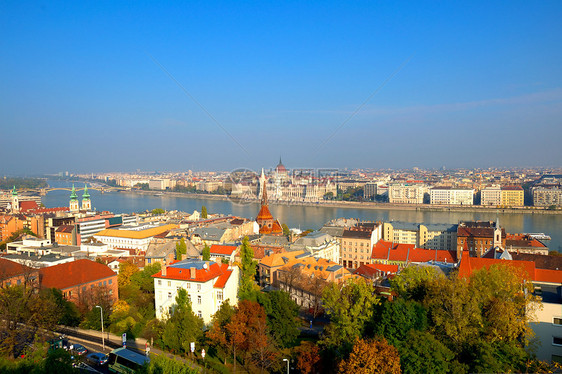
(473, 84)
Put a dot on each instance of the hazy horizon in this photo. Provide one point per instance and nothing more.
(100, 87)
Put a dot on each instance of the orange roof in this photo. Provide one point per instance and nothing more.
(548, 276)
(217, 249)
(28, 205)
(136, 234)
(425, 255)
(10, 269)
(385, 250)
(264, 213)
(279, 259)
(471, 264)
(260, 250)
(316, 266)
(74, 273)
(223, 278)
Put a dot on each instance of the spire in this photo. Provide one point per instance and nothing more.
(14, 192)
(86, 195)
(264, 195)
(73, 194)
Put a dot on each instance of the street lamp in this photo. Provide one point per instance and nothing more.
(285, 359)
(102, 337)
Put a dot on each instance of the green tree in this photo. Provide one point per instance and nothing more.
(412, 282)
(162, 364)
(157, 211)
(181, 249)
(248, 267)
(420, 352)
(218, 333)
(206, 253)
(350, 307)
(394, 319)
(282, 317)
(183, 326)
(204, 212)
(286, 230)
(66, 311)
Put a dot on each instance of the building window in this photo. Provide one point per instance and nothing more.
(169, 283)
(169, 295)
(198, 286)
(159, 282)
(219, 295)
(199, 299)
(199, 314)
(557, 321)
(556, 340)
(188, 285)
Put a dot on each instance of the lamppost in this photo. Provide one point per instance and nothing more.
(102, 337)
(285, 359)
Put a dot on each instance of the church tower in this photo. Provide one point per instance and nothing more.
(15, 201)
(86, 202)
(74, 206)
(497, 235)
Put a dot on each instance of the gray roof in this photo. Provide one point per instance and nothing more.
(333, 231)
(314, 239)
(160, 250)
(410, 226)
(35, 258)
(209, 233)
(274, 240)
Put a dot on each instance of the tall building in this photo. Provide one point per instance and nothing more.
(547, 196)
(478, 237)
(427, 236)
(15, 201)
(403, 193)
(512, 196)
(491, 196)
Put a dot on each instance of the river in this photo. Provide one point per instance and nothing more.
(306, 217)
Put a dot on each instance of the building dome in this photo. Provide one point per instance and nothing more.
(280, 168)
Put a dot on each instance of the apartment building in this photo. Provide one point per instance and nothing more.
(403, 193)
(512, 196)
(547, 196)
(357, 243)
(428, 236)
(491, 196)
(451, 196)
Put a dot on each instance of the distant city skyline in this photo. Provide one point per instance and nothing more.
(218, 86)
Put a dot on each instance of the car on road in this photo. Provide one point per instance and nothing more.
(96, 358)
(79, 349)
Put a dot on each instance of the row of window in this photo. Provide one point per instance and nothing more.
(187, 285)
(219, 297)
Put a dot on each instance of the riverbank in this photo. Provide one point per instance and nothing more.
(360, 205)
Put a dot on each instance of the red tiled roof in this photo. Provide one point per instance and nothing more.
(385, 250)
(217, 249)
(223, 278)
(65, 228)
(28, 205)
(74, 273)
(470, 264)
(478, 232)
(548, 276)
(357, 234)
(369, 270)
(10, 269)
(425, 255)
(259, 250)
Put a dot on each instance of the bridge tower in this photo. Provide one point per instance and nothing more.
(74, 206)
(86, 202)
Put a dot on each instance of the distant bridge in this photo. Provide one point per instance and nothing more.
(43, 191)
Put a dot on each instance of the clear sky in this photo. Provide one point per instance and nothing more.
(83, 85)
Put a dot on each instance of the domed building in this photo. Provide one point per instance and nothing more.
(280, 168)
(268, 225)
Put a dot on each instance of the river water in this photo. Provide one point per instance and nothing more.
(307, 217)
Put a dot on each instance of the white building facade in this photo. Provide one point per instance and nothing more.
(208, 285)
(451, 196)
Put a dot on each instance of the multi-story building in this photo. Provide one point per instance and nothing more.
(512, 196)
(357, 244)
(451, 196)
(133, 238)
(547, 196)
(399, 193)
(478, 237)
(370, 190)
(208, 285)
(319, 245)
(491, 196)
(428, 236)
(78, 278)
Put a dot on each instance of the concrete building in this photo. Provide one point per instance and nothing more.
(491, 196)
(477, 237)
(132, 238)
(319, 245)
(208, 285)
(357, 244)
(547, 196)
(451, 196)
(428, 236)
(512, 196)
(370, 190)
(403, 193)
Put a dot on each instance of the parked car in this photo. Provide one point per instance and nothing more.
(97, 358)
(79, 349)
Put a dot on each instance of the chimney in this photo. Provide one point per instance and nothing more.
(192, 273)
(164, 268)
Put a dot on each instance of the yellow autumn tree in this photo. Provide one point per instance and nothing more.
(371, 357)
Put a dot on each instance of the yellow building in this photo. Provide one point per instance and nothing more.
(512, 196)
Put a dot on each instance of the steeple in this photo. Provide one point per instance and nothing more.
(85, 195)
(14, 192)
(264, 196)
(73, 195)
